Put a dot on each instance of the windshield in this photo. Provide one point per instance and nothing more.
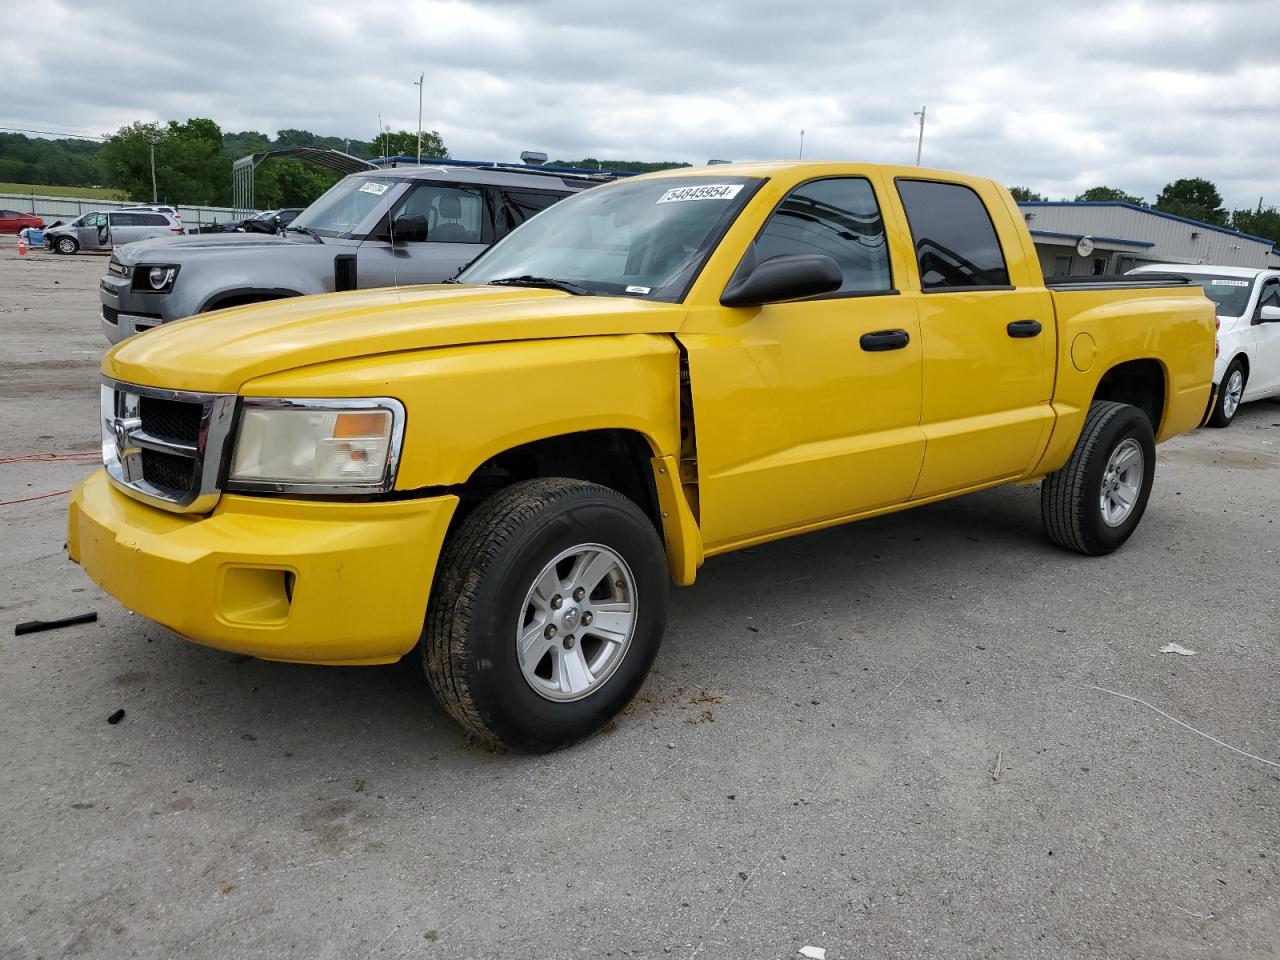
(344, 206)
(1231, 294)
(644, 238)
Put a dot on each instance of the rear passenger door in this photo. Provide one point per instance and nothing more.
(94, 232)
(126, 228)
(989, 344)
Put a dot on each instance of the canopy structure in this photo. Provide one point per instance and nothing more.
(243, 169)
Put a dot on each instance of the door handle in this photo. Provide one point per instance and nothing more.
(1020, 329)
(884, 340)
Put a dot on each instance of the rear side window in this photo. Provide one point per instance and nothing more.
(152, 220)
(519, 205)
(838, 218)
(125, 219)
(955, 241)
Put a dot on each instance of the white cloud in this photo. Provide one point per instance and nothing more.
(1058, 98)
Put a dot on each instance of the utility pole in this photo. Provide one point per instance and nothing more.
(801, 157)
(920, 142)
(418, 84)
(154, 197)
(380, 136)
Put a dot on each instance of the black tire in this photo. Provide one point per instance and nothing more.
(66, 245)
(1070, 499)
(1220, 417)
(486, 570)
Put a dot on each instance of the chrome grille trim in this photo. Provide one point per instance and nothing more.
(123, 439)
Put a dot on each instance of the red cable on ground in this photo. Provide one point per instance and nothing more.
(42, 496)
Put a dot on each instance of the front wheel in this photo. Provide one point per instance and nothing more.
(1094, 503)
(546, 614)
(66, 245)
(1229, 395)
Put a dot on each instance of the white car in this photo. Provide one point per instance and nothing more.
(1248, 299)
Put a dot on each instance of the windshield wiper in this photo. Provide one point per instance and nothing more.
(307, 230)
(528, 281)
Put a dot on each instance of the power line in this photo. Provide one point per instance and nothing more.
(53, 133)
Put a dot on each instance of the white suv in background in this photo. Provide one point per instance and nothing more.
(1248, 299)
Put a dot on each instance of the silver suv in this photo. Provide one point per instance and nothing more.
(105, 229)
(376, 229)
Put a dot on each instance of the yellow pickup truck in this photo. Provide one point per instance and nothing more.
(505, 474)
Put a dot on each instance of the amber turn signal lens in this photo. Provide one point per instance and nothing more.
(361, 424)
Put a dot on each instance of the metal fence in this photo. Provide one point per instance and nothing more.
(68, 208)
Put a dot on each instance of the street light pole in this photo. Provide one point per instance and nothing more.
(154, 197)
(418, 83)
(801, 156)
(920, 142)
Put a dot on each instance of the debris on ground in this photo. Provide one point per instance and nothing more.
(814, 953)
(116, 717)
(34, 626)
(1178, 649)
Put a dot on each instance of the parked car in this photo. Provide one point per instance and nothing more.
(105, 229)
(1248, 307)
(507, 473)
(158, 208)
(11, 221)
(273, 221)
(441, 218)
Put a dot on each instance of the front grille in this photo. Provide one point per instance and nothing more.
(168, 471)
(110, 314)
(166, 447)
(173, 420)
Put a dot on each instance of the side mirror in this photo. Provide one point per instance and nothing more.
(789, 277)
(409, 229)
(1269, 314)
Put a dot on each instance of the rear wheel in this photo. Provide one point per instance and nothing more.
(66, 245)
(1094, 503)
(546, 614)
(1230, 394)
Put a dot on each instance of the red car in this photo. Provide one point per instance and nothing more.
(11, 221)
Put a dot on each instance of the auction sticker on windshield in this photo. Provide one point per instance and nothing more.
(1229, 283)
(708, 191)
(377, 189)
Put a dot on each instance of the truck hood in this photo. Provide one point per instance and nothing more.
(176, 249)
(219, 352)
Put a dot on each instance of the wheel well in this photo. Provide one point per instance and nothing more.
(1140, 383)
(619, 459)
(1244, 363)
(226, 301)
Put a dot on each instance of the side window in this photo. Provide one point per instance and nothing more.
(517, 206)
(1270, 296)
(838, 218)
(9, 214)
(955, 241)
(125, 219)
(95, 220)
(454, 214)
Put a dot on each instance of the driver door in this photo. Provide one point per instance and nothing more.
(459, 229)
(93, 232)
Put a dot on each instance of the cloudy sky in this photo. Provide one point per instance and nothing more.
(1054, 96)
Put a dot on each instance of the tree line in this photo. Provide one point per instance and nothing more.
(193, 161)
(1193, 197)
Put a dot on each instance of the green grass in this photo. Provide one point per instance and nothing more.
(49, 190)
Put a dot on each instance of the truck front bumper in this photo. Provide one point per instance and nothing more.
(303, 581)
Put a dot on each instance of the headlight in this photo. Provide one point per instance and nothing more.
(157, 279)
(317, 446)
